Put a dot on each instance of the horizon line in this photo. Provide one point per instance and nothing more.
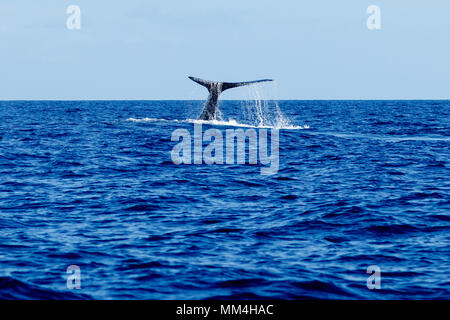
(321, 99)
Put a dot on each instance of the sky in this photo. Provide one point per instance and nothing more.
(145, 49)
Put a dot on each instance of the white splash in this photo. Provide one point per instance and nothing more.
(264, 112)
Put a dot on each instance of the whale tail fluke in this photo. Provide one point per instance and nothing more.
(229, 85)
(215, 89)
(225, 85)
(207, 84)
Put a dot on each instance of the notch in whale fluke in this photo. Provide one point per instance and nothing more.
(215, 89)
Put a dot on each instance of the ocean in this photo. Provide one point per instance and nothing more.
(91, 184)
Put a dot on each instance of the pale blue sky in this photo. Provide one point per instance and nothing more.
(138, 49)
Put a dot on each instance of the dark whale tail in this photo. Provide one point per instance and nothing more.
(215, 89)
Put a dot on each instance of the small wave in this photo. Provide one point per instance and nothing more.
(392, 229)
(143, 208)
(229, 123)
(242, 283)
(13, 289)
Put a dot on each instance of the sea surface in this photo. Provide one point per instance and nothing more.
(92, 184)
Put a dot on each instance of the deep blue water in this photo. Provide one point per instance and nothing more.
(367, 184)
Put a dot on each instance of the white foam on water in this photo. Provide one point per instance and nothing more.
(145, 119)
(230, 123)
